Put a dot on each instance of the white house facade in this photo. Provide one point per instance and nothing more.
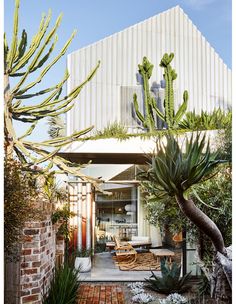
(108, 96)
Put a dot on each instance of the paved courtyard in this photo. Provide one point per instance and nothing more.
(104, 269)
(101, 294)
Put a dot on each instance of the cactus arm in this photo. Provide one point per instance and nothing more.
(24, 119)
(16, 105)
(146, 71)
(36, 63)
(47, 108)
(24, 151)
(45, 70)
(29, 131)
(47, 157)
(13, 48)
(169, 97)
(34, 44)
(157, 111)
(26, 96)
(170, 75)
(20, 155)
(182, 109)
(58, 88)
(63, 165)
(138, 113)
(61, 141)
(6, 50)
(22, 46)
(46, 56)
(47, 40)
(67, 139)
(39, 62)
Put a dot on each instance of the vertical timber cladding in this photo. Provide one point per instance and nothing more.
(200, 70)
(81, 204)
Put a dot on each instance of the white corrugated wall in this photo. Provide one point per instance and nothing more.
(200, 69)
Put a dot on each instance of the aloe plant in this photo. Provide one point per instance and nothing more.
(173, 170)
(20, 62)
(171, 281)
(64, 286)
(169, 116)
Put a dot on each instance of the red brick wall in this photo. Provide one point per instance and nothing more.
(37, 260)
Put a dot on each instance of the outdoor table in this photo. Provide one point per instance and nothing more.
(162, 253)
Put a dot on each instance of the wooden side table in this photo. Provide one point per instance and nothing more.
(159, 253)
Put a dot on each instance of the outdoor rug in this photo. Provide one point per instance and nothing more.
(145, 261)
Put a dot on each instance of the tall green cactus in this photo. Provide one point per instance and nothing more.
(147, 119)
(172, 120)
(20, 62)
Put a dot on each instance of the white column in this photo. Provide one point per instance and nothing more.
(88, 217)
(93, 222)
(83, 212)
(79, 217)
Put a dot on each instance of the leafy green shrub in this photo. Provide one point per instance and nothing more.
(214, 197)
(64, 286)
(114, 129)
(83, 253)
(170, 282)
(206, 121)
(19, 196)
(204, 286)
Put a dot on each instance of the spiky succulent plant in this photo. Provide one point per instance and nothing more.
(21, 62)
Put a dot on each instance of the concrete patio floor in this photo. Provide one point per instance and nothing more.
(104, 269)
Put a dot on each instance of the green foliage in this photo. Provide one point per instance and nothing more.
(216, 201)
(215, 196)
(164, 213)
(61, 217)
(175, 168)
(19, 190)
(20, 61)
(218, 119)
(64, 286)
(225, 140)
(170, 281)
(169, 116)
(83, 253)
(113, 130)
(204, 286)
(52, 190)
(62, 214)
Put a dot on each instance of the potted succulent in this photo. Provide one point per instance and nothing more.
(83, 260)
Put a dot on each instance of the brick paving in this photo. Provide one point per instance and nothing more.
(101, 294)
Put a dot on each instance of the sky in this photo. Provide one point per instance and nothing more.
(97, 19)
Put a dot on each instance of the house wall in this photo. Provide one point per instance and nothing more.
(108, 96)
